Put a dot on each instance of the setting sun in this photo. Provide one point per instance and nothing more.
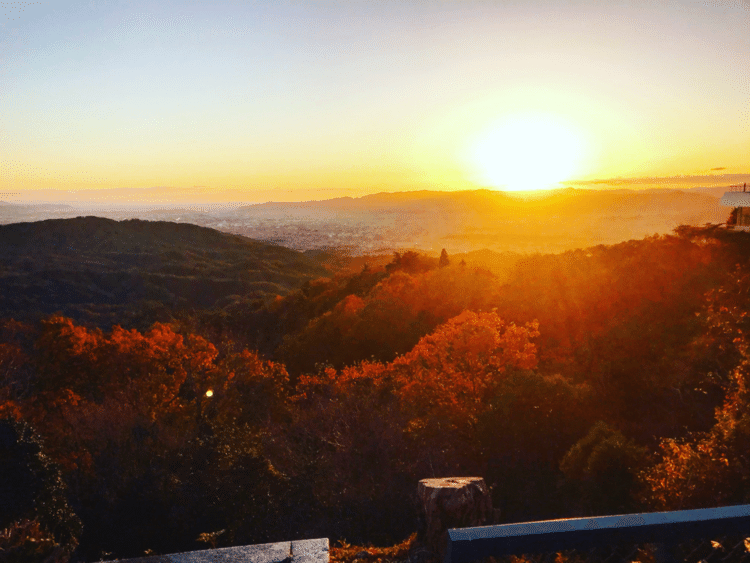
(527, 152)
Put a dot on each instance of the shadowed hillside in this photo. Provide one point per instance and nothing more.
(100, 270)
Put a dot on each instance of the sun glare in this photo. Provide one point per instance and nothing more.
(527, 152)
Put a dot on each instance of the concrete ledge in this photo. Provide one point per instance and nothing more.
(301, 551)
(310, 551)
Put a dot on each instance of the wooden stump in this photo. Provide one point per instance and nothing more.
(451, 502)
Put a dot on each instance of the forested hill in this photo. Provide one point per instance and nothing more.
(102, 270)
(603, 380)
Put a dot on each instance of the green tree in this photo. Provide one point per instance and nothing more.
(36, 521)
(601, 471)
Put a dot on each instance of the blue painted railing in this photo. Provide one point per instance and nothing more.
(584, 534)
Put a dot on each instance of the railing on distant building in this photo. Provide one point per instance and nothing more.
(738, 198)
(705, 535)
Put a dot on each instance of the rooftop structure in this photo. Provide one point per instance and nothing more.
(739, 198)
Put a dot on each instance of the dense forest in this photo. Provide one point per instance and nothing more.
(135, 272)
(601, 380)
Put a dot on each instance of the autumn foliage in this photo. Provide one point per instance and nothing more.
(600, 380)
(454, 366)
(712, 467)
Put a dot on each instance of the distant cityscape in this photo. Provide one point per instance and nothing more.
(346, 235)
(424, 221)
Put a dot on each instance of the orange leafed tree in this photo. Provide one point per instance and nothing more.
(453, 369)
(713, 468)
(251, 391)
(390, 318)
(444, 386)
(12, 362)
(94, 388)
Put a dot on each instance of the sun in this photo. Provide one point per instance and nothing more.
(527, 152)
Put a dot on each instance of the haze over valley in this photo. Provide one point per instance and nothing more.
(428, 220)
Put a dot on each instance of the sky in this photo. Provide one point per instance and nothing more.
(320, 99)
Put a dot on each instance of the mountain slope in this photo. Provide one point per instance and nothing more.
(93, 268)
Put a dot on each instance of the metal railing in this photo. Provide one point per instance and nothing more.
(705, 535)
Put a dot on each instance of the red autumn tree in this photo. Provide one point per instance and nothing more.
(93, 388)
(452, 369)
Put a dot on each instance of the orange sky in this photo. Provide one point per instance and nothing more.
(322, 98)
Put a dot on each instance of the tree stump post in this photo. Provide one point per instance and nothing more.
(451, 502)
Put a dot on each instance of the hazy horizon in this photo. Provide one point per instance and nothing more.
(313, 100)
(197, 195)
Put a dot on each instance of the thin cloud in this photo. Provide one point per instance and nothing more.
(681, 179)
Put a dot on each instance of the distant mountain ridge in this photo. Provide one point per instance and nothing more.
(460, 221)
(471, 220)
(596, 200)
(92, 268)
